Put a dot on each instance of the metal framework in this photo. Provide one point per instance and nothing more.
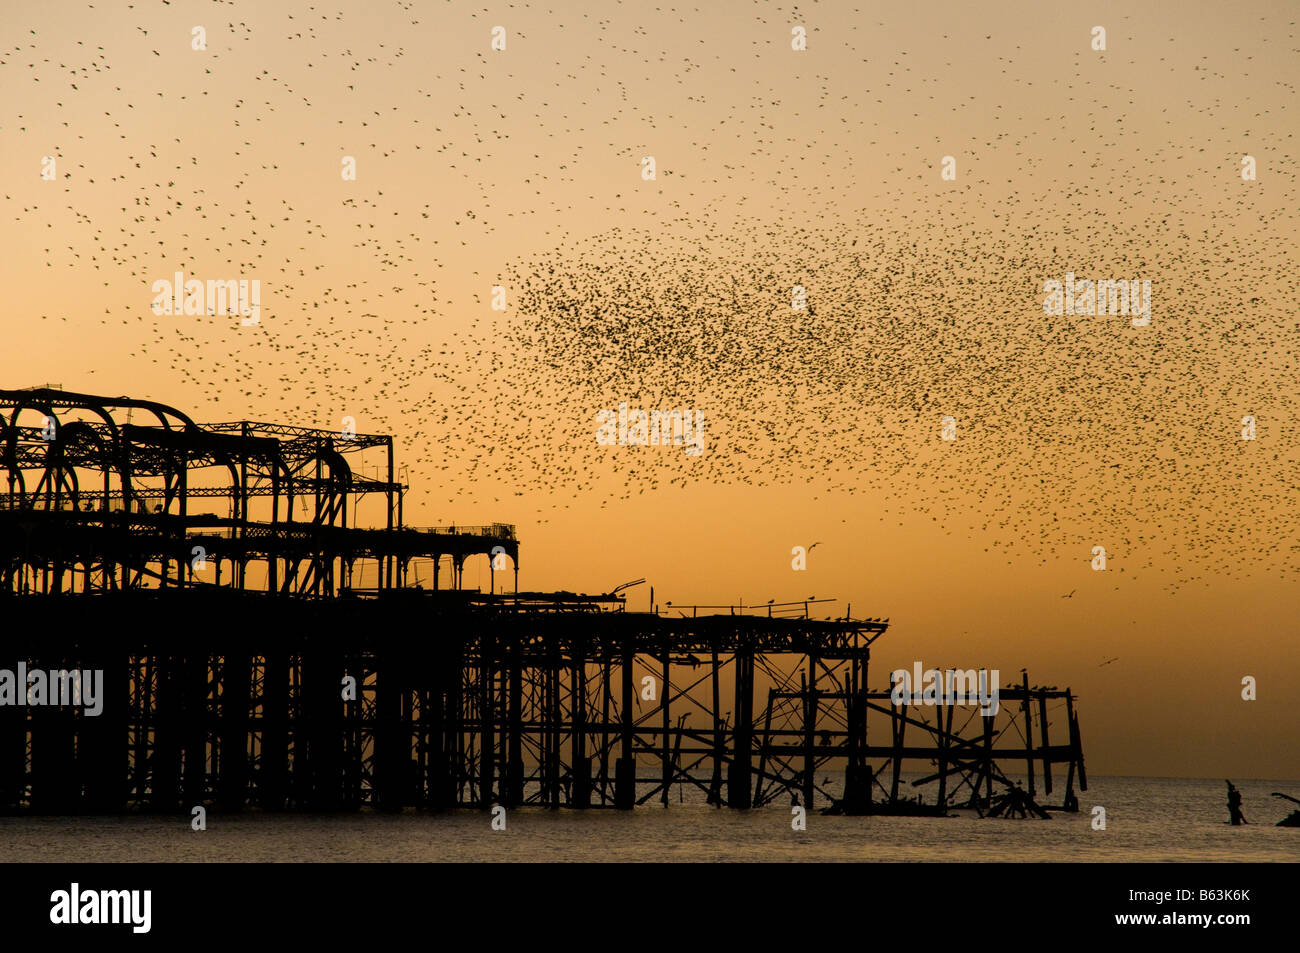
(99, 503)
(291, 689)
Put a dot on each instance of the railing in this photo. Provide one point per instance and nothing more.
(771, 609)
(493, 530)
(91, 501)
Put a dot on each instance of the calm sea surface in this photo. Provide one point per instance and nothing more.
(1147, 819)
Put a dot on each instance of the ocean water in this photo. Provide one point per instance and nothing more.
(1147, 819)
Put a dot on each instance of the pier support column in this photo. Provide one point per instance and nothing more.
(392, 742)
(167, 719)
(1076, 746)
(898, 717)
(581, 771)
(1042, 729)
(236, 679)
(195, 669)
(102, 740)
(434, 721)
(553, 721)
(810, 733)
(515, 741)
(1029, 734)
(740, 778)
(944, 724)
(665, 697)
(606, 701)
(625, 766)
(719, 739)
(323, 716)
(273, 756)
(13, 755)
(486, 719)
(857, 776)
(986, 767)
(54, 751)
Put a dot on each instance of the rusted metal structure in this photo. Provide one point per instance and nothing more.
(244, 664)
(97, 502)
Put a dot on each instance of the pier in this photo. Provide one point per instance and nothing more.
(260, 649)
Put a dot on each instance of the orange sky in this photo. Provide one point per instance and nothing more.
(775, 167)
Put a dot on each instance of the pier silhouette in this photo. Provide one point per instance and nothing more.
(247, 663)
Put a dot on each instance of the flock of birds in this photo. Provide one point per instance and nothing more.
(1068, 431)
(924, 298)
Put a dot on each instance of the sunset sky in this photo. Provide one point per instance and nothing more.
(522, 168)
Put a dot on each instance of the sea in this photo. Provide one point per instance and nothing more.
(1145, 820)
